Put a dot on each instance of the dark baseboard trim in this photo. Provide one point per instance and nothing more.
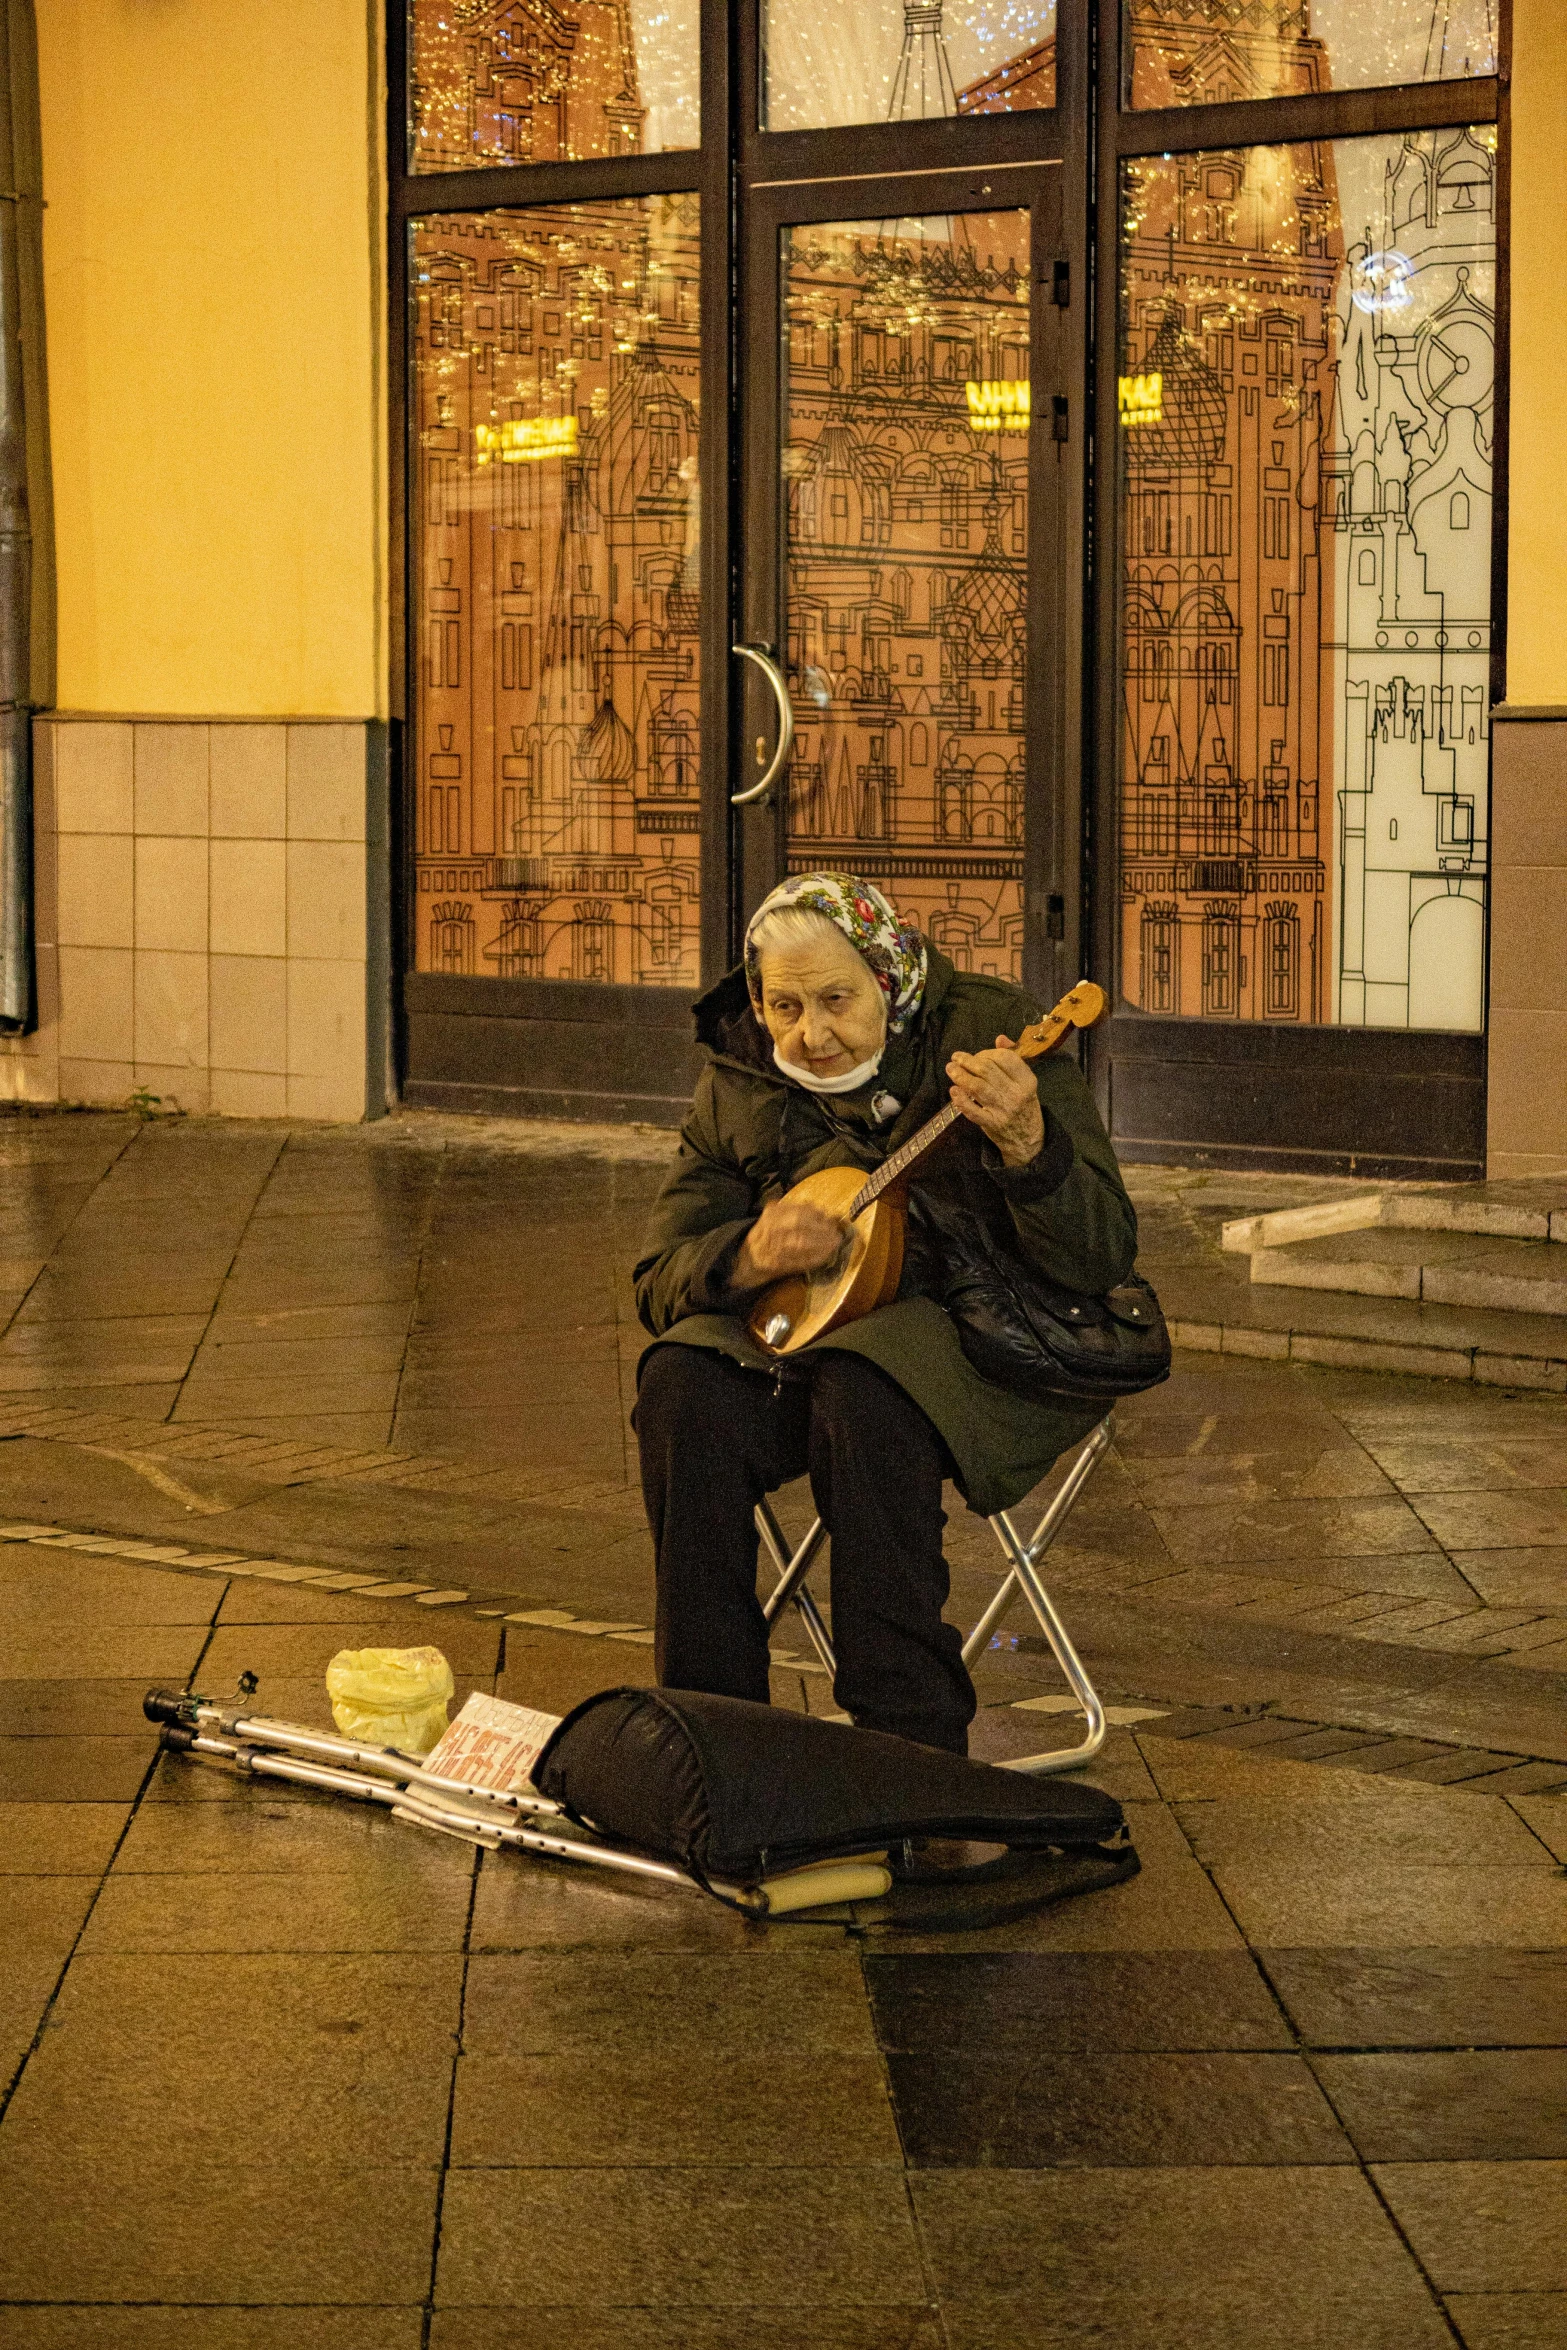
(518, 1048)
(1258, 1159)
(1376, 1102)
(568, 1001)
(515, 1101)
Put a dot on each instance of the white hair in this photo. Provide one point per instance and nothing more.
(792, 926)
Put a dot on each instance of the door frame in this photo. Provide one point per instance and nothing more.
(1051, 843)
(1325, 1099)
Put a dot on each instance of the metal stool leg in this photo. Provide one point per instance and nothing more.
(1023, 1576)
(793, 1568)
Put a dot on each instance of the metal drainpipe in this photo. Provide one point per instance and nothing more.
(18, 1012)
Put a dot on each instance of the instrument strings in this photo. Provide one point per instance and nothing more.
(914, 1148)
(1034, 1041)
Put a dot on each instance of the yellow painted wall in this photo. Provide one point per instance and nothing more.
(1537, 520)
(214, 274)
(213, 282)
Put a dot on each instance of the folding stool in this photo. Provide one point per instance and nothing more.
(1022, 1575)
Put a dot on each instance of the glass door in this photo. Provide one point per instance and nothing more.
(909, 456)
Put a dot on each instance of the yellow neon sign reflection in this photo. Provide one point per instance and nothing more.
(1142, 398)
(526, 440)
(997, 407)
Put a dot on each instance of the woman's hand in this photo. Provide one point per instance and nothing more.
(791, 1236)
(996, 1090)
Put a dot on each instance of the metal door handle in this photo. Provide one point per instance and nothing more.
(775, 678)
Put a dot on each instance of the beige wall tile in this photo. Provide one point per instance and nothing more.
(95, 1081)
(1529, 793)
(249, 909)
(95, 1003)
(30, 1065)
(1508, 1165)
(177, 1088)
(47, 990)
(1529, 938)
(96, 889)
(337, 1098)
(326, 1025)
(326, 783)
(93, 784)
(249, 1013)
(28, 1077)
(171, 778)
(1526, 1101)
(46, 847)
(326, 899)
(171, 1010)
(171, 894)
(249, 782)
(243, 1093)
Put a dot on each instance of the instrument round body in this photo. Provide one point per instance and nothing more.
(863, 1275)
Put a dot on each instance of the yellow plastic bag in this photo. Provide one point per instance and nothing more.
(391, 1696)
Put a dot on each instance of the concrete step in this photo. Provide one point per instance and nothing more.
(1442, 1267)
(1533, 1208)
(1217, 1309)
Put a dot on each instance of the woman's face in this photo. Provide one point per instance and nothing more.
(823, 1008)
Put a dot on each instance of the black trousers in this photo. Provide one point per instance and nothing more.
(714, 1438)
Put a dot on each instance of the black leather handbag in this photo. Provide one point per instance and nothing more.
(1033, 1336)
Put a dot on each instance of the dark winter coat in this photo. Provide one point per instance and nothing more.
(751, 1135)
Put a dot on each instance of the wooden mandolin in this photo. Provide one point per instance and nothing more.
(874, 1208)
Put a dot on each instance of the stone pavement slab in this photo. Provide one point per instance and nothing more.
(1171, 2255)
(1423, 1998)
(603, 2238)
(687, 2328)
(1483, 2227)
(1509, 2321)
(119, 2326)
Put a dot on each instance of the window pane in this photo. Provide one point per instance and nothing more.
(513, 81)
(904, 60)
(1208, 52)
(905, 474)
(1306, 409)
(554, 597)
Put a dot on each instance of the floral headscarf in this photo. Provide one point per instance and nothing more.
(894, 951)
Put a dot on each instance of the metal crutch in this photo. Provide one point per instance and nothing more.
(257, 1746)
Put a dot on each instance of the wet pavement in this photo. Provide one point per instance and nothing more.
(293, 2075)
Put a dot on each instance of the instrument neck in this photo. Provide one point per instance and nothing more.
(1037, 1041)
(902, 1160)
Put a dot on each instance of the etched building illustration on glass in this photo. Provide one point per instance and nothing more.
(549, 81)
(556, 527)
(905, 466)
(1307, 339)
(1408, 490)
(1229, 269)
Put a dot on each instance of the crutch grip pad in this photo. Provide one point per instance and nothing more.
(168, 1705)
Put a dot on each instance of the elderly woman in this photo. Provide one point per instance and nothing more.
(842, 1033)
